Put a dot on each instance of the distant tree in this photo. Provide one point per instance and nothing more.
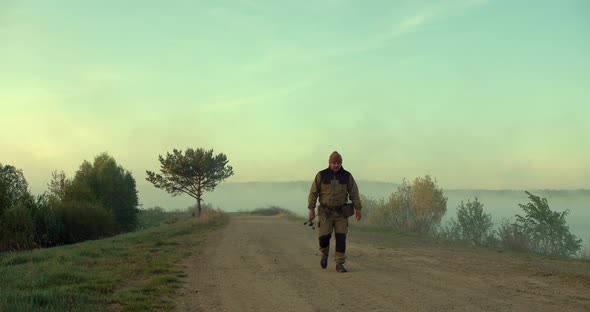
(58, 185)
(193, 173)
(13, 187)
(546, 230)
(110, 186)
(83, 186)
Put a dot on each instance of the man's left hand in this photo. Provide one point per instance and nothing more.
(358, 215)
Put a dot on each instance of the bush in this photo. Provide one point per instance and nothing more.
(30, 222)
(546, 230)
(371, 209)
(586, 251)
(49, 227)
(416, 207)
(451, 231)
(83, 221)
(512, 236)
(16, 228)
(475, 226)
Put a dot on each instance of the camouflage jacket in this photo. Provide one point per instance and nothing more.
(334, 189)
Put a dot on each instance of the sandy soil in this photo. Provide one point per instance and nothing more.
(260, 263)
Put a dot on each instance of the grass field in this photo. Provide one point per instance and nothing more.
(130, 272)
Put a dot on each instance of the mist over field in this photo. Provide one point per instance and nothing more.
(293, 196)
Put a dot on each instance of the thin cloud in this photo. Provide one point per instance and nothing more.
(412, 23)
(406, 26)
(277, 93)
(293, 54)
(429, 15)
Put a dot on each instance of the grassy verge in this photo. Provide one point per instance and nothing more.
(131, 272)
(148, 218)
(391, 238)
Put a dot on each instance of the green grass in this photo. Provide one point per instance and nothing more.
(390, 237)
(148, 218)
(131, 272)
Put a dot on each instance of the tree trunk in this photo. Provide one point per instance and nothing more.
(199, 207)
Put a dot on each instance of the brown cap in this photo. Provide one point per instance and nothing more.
(335, 157)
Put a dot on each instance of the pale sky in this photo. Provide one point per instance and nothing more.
(479, 94)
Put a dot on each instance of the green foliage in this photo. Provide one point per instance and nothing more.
(476, 226)
(416, 207)
(18, 211)
(85, 220)
(108, 185)
(48, 226)
(193, 173)
(473, 226)
(28, 221)
(58, 185)
(82, 186)
(450, 231)
(101, 200)
(13, 187)
(513, 236)
(16, 228)
(546, 230)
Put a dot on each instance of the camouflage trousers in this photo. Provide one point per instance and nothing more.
(332, 221)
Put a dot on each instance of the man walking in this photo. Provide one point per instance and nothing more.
(334, 186)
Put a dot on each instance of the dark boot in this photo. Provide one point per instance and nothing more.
(340, 268)
(324, 261)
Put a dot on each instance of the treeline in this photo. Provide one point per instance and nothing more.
(420, 206)
(100, 200)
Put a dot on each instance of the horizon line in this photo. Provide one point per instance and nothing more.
(453, 189)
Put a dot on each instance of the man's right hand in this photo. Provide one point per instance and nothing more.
(311, 214)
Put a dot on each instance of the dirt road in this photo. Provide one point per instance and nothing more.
(262, 263)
